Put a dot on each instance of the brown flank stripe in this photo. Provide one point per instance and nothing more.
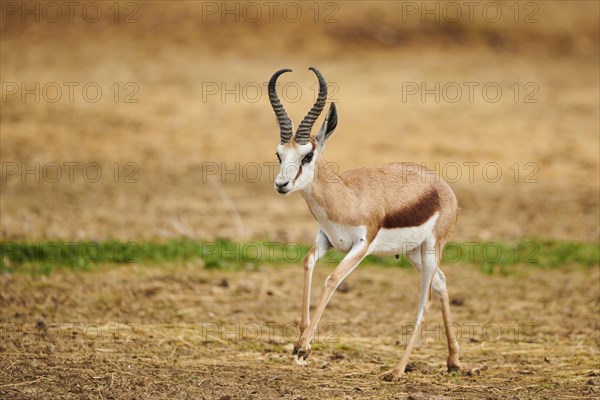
(415, 214)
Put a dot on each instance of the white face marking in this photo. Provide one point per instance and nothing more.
(296, 172)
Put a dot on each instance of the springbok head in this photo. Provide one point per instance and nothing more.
(297, 153)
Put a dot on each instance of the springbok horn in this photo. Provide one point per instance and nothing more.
(285, 124)
(303, 132)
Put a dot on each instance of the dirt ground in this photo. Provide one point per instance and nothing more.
(183, 331)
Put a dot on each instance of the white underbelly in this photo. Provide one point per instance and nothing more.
(343, 237)
(401, 240)
(386, 242)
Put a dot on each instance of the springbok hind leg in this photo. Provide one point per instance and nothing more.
(427, 267)
(441, 292)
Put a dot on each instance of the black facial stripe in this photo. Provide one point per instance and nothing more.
(298, 174)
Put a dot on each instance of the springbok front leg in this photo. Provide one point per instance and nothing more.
(346, 266)
(427, 266)
(316, 252)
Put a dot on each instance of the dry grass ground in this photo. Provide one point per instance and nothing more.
(147, 332)
(177, 130)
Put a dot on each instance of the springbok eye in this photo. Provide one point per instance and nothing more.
(307, 158)
(279, 158)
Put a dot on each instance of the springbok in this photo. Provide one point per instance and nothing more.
(384, 210)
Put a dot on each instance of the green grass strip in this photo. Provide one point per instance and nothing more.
(44, 257)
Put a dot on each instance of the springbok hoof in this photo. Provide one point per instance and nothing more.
(301, 352)
(453, 364)
(394, 375)
(299, 361)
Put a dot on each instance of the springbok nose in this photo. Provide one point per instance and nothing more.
(280, 185)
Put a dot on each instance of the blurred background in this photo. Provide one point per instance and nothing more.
(150, 120)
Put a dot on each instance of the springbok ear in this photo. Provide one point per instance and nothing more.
(328, 127)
